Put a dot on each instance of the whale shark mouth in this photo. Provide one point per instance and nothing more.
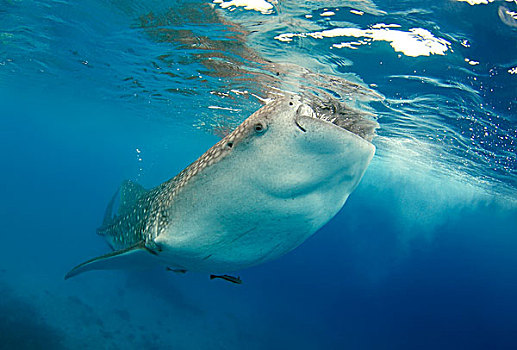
(347, 118)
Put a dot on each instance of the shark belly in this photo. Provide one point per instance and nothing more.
(226, 238)
(230, 222)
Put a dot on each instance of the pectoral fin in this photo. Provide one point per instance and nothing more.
(137, 254)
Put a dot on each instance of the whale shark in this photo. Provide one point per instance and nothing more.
(255, 195)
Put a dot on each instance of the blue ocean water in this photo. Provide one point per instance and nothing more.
(423, 254)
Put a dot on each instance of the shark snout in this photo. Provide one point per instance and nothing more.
(303, 113)
(305, 110)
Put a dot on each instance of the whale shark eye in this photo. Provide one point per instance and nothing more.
(259, 128)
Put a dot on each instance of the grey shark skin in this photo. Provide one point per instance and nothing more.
(254, 196)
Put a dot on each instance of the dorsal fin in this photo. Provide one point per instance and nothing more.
(108, 214)
(129, 194)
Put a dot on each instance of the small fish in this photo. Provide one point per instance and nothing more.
(228, 278)
(176, 270)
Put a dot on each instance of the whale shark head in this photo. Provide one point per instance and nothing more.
(291, 146)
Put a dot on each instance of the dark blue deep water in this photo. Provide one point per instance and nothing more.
(422, 256)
